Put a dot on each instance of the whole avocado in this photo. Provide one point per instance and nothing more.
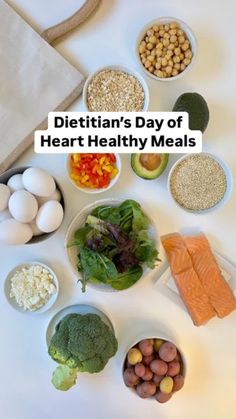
(197, 108)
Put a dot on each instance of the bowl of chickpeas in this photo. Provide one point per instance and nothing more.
(166, 48)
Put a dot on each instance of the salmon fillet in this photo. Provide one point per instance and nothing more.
(219, 292)
(190, 287)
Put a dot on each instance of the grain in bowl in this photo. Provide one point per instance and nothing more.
(200, 182)
(115, 89)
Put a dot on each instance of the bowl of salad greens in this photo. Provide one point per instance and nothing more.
(110, 244)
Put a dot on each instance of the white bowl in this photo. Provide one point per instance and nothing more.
(229, 187)
(95, 191)
(12, 301)
(125, 70)
(190, 35)
(148, 335)
(78, 222)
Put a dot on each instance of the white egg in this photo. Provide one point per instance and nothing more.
(14, 232)
(50, 216)
(36, 231)
(15, 183)
(4, 196)
(23, 206)
(38, 182)
(4, 215)
(56, 196)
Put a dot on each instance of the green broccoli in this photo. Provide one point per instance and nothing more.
(84, 342)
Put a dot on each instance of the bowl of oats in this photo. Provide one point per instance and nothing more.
(31, 287)
(200, 183)
(116, 89)
(166, 48)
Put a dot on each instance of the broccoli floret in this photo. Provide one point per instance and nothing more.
(83, 341)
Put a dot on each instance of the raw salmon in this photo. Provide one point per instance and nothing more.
(205, 265)
(186, 279)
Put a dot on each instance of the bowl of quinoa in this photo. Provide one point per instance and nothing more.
(200, 183)
(115, 89)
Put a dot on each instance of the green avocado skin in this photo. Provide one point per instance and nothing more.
(197, 108)
(148, 174)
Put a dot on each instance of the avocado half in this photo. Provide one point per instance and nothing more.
(149, 166)
(197, 108)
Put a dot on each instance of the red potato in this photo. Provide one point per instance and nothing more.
(173, 368)
(148, 359)
(178, 382)
(130, 378)
(159, 367)
(140, 370)
(167, 352)
(148, 375)
(162, 397)
(157, 379)
(146, 347)
(146, 390)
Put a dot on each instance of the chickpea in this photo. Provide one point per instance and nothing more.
(181, 39)
(182, 66)
(147, 63)
(187, 61)
(174, 72)
(185, 46)
(167, 27)
(158, 52)
(164, 62)
(170, 63)
(155, 28)
(164, 50)
(151, 69)
(171, 47)
(142, 49)
(143, 60)
(180, 32)
(170, 53)
(160, 45)
(173, 32)
(166, 42)
(159, 60)
(151, 58)
(174, 25)
(168, 69)
(177, 66)
(143, 43)
(150, 46)
(177, 51)
(176, 44)
(150, 32)
(173, 39)
(146, 39)
(181, 56)
(153, 39)
(164, 73)
(161, 27)
(158, 66)
(143, 56)
(161, 32)
(188, 54)
(166, 36)
(176, 59)
(153, 52)
(159, 73)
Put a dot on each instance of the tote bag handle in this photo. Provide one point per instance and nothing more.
(55, 32)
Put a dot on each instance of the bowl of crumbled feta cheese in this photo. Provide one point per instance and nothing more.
(31, 287)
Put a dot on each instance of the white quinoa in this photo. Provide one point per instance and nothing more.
(198, 182)
(115, 91)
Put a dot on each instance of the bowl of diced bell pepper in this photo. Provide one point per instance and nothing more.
(93, 173)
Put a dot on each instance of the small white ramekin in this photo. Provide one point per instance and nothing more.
(190, 35)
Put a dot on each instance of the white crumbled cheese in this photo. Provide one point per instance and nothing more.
(32, 287)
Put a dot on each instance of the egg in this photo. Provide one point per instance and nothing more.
(38, 182)
(14, 232)
(50, 216)
(23, 206)
(15, 183)
(56, 196)
(4, 196)
(4, 215)
(36, 231)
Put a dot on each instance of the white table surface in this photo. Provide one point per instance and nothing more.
(25, 388)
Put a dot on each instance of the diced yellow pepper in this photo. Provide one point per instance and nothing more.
(101, 160)
(107, 168)
(114, 172)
